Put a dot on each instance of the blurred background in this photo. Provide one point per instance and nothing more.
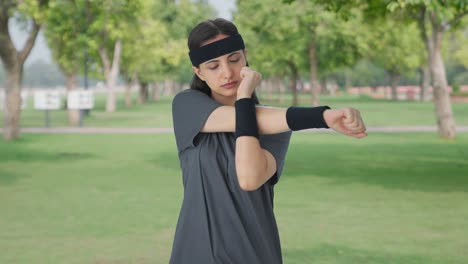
(89, 171)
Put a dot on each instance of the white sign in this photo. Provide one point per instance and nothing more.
(83, 99)
(24, 100)
(47, 100)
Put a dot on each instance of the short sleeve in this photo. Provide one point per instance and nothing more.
(190, 110)
(277, 145)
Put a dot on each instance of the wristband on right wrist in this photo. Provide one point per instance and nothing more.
(299, 118)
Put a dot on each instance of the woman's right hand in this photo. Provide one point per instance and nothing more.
(250, 80)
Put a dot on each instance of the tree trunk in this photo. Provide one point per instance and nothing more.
(426, 67)
(156, 92)
(12, 108)
(168, 87)
(143, 93)
(13, 61)
(178, 87)
(282, 91)
(111, 73)
(425, 82)
(293, 83)
(443, 106)
(314, 82)
(130, 82)
(73, 114)
(269, 88)
(128, 94)
(323, 86)
(394, 80)
(348, 79)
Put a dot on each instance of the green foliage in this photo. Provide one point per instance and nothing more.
(66, 34)
(458, 42)
(156, 48)
(271, 33)
(444, 11)
(279, 33)
(34, 9)
(396, 47)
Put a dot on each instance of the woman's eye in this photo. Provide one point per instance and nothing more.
(213, 68)
(236, 60)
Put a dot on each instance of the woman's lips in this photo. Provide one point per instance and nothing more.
(229, 85)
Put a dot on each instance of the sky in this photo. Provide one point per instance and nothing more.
(42, 52)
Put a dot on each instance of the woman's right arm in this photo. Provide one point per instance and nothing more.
(270, 120)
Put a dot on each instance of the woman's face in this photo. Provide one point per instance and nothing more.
(222, 74)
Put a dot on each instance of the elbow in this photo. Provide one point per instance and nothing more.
(249, 173)
(247, 182)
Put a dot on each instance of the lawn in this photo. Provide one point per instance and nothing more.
(388, 198)
(158, 114)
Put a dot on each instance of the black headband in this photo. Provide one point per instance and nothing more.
(216, 49)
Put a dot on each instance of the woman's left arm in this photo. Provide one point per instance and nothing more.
(254, 165)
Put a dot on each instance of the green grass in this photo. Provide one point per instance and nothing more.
(388, 198)
(158, 114)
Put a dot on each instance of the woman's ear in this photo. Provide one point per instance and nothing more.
(245, 54)
(197, 71)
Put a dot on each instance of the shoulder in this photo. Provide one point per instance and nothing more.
(188, 96)
(190, 92)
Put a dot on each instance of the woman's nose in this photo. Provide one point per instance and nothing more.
(227, 71)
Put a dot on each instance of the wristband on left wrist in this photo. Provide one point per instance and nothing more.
(246, 118)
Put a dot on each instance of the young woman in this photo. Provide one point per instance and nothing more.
(232, 151)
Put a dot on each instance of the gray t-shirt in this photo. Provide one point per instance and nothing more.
(219, 222)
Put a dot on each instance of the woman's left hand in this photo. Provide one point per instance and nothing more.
(347, 121)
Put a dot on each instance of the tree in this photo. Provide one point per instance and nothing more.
(435, 18)
(145, 45)
(157, 50)
(274, 43)
(180, 17)
(302, 37)
(65, 31)
(109, 22)
(333, 42)
(34, 13)
(396, 48)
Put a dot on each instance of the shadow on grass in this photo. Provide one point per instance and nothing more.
(26, 155)
(8, 177)
(327, 253)
(168, 160)
(18, 153)
(418, 167)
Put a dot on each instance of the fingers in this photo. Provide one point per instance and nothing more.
(353, 124)
(248, 72)
(250, 80)
(244, 72)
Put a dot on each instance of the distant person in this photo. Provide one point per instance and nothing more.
(232, 152)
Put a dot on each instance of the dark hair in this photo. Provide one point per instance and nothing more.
(204, 31)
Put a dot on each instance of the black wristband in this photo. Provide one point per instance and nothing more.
(246, 118)
(299, 118)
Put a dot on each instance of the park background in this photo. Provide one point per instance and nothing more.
(110, 190)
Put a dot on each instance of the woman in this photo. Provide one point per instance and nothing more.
(232, 152)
